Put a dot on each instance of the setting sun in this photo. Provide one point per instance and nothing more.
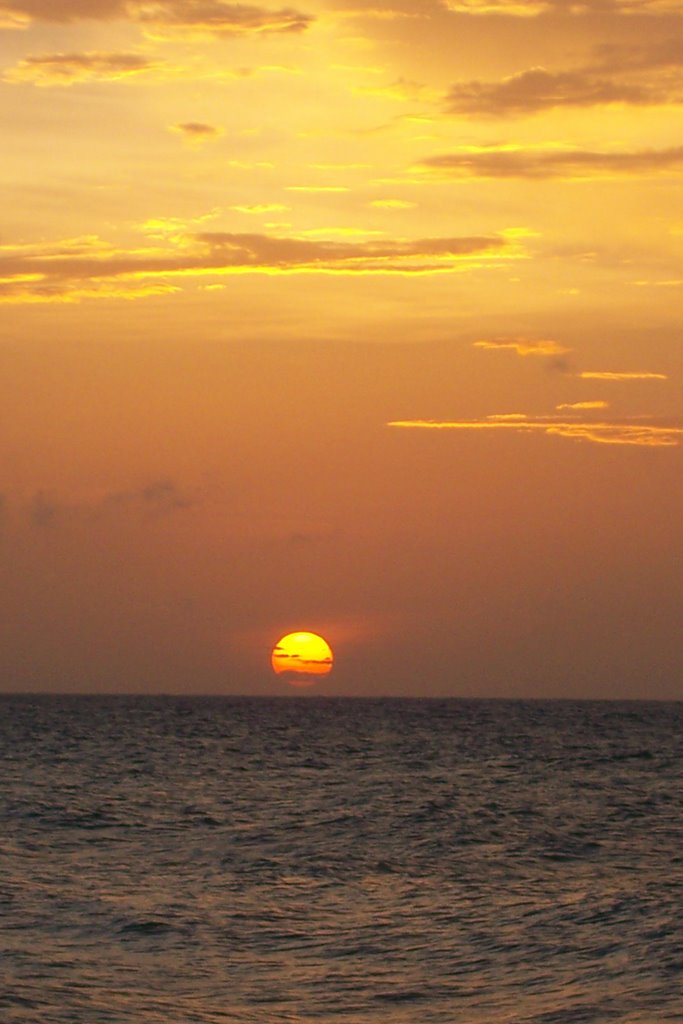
(302, 658)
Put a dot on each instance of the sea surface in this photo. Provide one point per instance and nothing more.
(172, 861)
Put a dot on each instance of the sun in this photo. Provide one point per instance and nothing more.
(302, 658)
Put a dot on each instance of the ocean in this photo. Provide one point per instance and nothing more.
(173, 860)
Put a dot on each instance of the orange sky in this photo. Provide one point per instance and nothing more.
(357, 316)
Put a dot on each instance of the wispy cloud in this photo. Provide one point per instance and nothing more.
(155, 499)
(621, 375)
(89, 268)
(637, 75)
(258, 209)
(161, 17)
(536, 89)
(582, 8)
(67, 68)
(196, 133)
(392, 204)
(636, 434)
(524, 346)
(536, 163)
(580, 406)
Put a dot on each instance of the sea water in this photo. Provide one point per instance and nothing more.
(175, 860)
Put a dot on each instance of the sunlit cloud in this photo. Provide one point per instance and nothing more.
(65, 69)
(524, 346)
(538, 89)
(13, 19)
(213, 17)
(392, 204)
(535, 163)
(258, 209)
(75, 269)
(161, 17)
(574, 8)
(614, 375)
(635, 434)
(68, 68)
(580, 406)
(317, 188)
(509, 8)
(507, 416)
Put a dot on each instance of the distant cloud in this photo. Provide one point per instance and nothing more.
(162, 17)
(537, 89)
(525, 346)
(392, 204)
(537, 163)
(258, 209)
(619, 375)
(196, 132)
(157, 498)
(509, 8)
(67, 68)
(76, 269)
(218, 17)
(582, 405)
(639, 75)
(26, 11)
(636, 434)
(388, 9)
(42, 511)
(574, 8)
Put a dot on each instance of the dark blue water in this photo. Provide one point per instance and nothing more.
(204, 860)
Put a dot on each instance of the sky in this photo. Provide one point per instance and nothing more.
(353, 316)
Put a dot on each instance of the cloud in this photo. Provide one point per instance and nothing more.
(388, 9)
(582, 405)
(42, 511)
(157, 498)
(537, 89)
(641, 75)
(525, 347)
(635, 434)
(88, 268)
(257, 209)
(26, 11)
(572, 8)
(392, 204)
(535, 163)
(195, 133)
(508, 8)
(161, 17)
(214, 17)
(619, 375)
(67, 68)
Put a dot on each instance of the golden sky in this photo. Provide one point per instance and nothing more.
(356, 316)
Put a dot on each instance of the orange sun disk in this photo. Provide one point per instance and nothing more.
(302, 658)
